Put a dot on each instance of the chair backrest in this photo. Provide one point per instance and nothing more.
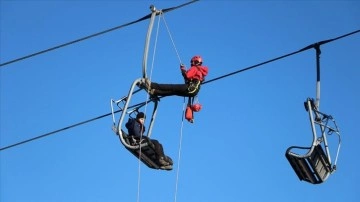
(320, 163)
(314, 168)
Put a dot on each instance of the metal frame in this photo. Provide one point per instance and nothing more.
(154, 12)
(144, 151)
(138, 82)
(127, 110)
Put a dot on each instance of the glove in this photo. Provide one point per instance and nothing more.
(182, 68)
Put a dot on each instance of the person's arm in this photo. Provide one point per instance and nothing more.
(183, 71)
(138, 129)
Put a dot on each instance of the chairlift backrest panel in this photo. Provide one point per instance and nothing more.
(314, 168)
(302, 169)
(319, 163)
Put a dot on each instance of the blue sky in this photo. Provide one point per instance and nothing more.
(235, 149)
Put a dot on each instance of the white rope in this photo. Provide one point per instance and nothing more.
(183, 113)
(146, 104)
(182, 123)
(179, 153)
(139, 178)
(172, 41)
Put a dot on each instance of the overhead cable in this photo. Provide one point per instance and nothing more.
(92, 35)
(314, 45)
(283, 56)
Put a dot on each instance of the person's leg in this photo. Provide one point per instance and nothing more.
(158, 148)
(160, 153)
(168, 159)
(169, 89)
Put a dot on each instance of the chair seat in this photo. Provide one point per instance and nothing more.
(315, 168)
(146, 152)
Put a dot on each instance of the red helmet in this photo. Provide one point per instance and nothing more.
(196, 60)
(196, 107)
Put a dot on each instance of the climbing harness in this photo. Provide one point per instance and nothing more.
(315, 166)
(194, 86)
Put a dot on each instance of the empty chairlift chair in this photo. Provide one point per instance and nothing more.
(315, 165)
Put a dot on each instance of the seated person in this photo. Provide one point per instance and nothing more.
(136, 128)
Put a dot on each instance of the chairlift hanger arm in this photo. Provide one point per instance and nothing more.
(318, 52)
(126, 99)
(154, 13)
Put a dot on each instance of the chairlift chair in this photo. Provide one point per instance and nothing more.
(142, 149)
(315, 166)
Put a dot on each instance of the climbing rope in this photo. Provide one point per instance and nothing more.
(172, 40)
(183, 112)
(145, 108)
(179, 152)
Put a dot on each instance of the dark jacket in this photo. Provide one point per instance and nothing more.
(135, 128)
